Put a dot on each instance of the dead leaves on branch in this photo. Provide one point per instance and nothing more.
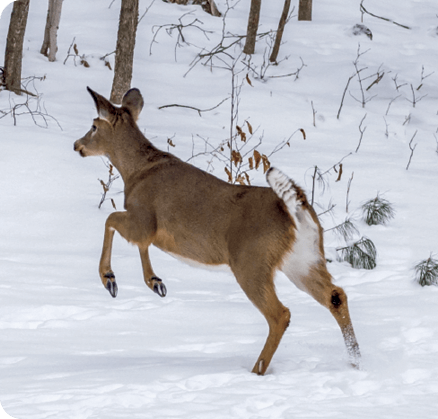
(240, 162)
(254, 162)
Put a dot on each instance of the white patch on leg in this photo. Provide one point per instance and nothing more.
(304, 253)
(305, 250)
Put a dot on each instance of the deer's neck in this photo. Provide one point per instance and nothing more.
(133, 153)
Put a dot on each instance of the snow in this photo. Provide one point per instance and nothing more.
(69, 350)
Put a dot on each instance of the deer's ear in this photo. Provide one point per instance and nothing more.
(104, 107)
(133, 101)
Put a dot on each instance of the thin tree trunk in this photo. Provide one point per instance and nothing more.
(125, 50)
(253, 25)
(14, 46)
(279, 36)
(305, 10)
(50, 47)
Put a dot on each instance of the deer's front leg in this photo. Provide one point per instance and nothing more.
(115, 221)
(151, 280)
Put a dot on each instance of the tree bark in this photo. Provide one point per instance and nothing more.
(50, 47)
(305, 10)
(253, 25)
(279, 36)
(14, 46)
(125, 50)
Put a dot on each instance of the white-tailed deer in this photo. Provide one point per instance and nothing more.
(192, 214)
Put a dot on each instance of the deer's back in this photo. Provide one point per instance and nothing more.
(200, 217)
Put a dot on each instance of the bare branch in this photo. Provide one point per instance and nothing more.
(363, 10)
(192, 107)
(362, 130)
(412, 149)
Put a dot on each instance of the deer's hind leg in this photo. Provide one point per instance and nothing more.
(258, 284)
(318, 283)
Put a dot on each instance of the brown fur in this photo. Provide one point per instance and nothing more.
(188, 212)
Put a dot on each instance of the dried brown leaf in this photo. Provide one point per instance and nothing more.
(241, 133)
(240, 179)
(266, 163)
(230, 177)
(248, 80)
(113, 204)
(304, 133)
(75, 48)
(340, 173)
(257, 159)
(236, 157)
(251, 163)
(170, 142)
(249, 127)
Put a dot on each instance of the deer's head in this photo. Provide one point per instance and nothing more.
(108, 127)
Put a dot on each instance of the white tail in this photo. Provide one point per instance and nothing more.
(190, 213)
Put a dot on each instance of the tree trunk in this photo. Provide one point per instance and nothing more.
(305, 10)
(279, 36)
(14, 46)
(125, 50)
(253, 25)
(50, 47)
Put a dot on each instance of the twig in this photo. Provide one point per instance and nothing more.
(348, 192)
(360, 80)
(314, 113)
(313, 184)
(397, 86)
(296, 73)
(377, 80)
(415, 100)
(387, 126)
(363, 10)
(423, 77)
(336, 164)
(390, 103)
(192, 107)
(343, 95)
(169, 28)
(412, 149)
(146, 11)
(361, 132)
(329, 209)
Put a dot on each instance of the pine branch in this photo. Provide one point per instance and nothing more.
(360, 255)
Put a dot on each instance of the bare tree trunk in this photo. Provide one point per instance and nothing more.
(253, 25)
(14, 46)
(279, 36)
(305, 10)
(50, 47)
(125, 50)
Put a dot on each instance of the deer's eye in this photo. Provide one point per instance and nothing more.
(94, 128)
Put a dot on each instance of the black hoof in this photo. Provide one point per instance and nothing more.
(111, 284)
(159, 287)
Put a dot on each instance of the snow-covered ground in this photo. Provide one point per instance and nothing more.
(69, 350)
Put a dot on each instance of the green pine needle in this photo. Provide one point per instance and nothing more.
(426, 272)
(360, 255)
(377, 211)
